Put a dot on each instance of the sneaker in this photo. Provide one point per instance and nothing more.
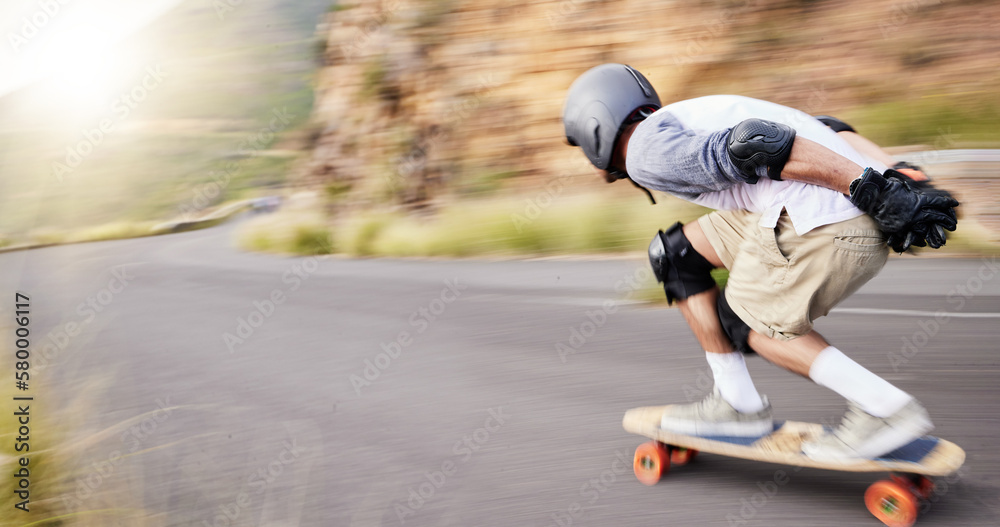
(713, 416)
(864, 436)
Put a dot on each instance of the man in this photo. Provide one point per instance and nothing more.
(802, 221)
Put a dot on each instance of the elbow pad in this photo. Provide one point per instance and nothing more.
(760, 148)
(835, 124)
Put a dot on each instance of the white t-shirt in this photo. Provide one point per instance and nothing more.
(680, 149)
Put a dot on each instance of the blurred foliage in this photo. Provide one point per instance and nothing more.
(941, 122)
(287, 231)
(48, 475)
(373, 84)
(311, 240)
(433, 12)
(336, 190)
(360, 234)
(580, 223)
(583, 223)
(113, 231)
(486, 182)
(75, 479)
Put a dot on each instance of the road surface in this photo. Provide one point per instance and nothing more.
(247, 389)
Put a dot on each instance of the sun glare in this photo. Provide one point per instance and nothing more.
(71, 54)
(82, 66)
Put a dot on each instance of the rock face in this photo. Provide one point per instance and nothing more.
(419, 97)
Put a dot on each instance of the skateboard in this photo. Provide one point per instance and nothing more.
(894, 501)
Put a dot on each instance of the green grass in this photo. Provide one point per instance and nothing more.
(941, 122)
(113, 231)
(45, 465)
(311, 240)
(544, 224)
(589, 223)
(569, 224)
(373, 78)
(79, 475)
(286, 232)
(360, 233)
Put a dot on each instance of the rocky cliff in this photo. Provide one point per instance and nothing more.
(421, 98)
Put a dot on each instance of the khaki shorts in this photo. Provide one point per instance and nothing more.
(779, 282)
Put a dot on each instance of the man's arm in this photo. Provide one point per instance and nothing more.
(811, 162)
(670, 158)
(673, 159)
(908, 214)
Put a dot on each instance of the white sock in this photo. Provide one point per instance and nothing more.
(734, 382)
(855, 383)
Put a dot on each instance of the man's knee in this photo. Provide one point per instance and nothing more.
(699, 240)
(682, 270)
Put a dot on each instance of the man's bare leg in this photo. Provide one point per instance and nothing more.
(729, 369)
(796, 355)
(699, 310)
(700, 313)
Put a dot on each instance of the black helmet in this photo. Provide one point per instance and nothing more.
(600, 103)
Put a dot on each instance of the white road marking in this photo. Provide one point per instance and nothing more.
(598, 302)
(552, 300)
(909, 313)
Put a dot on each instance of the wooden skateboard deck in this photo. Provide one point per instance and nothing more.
(929, 456)
(895, 501)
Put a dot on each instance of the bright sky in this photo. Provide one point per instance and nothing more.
(72, 41)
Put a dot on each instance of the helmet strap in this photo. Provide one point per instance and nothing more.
(642, 188)
(639, 114)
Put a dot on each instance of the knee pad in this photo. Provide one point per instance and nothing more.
(835, 124)
(737, 330)
(682, 271)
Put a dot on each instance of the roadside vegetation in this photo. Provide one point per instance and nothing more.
(81, 468)
(586, 223)
(582, 224)
(940, 123)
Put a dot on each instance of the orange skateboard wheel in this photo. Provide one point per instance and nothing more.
(651, 462)
(891, 503)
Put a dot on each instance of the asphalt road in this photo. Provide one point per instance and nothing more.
(245, 389)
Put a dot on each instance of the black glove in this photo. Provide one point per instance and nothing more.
(907, 214)
(930, 232)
